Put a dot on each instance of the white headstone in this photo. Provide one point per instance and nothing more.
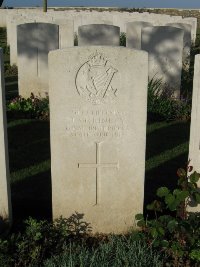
(134, 33)
(34, 41)
(187, 41)
(5, 198)
(194, 147)
(165, 47)
(98, 101)
(98, 34)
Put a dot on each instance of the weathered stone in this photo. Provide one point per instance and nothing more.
(186, 41)
(194, 147)
(34, 41)
(98, 101)
(193, 23)
(134, 33)
(5, 198)
(165, 47)
(98, 34)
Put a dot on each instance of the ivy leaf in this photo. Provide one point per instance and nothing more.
(181, 173)
(171, 226)
(139, 217)
(162, 192)
(154, 232)
(169, 199)
(197, 197)
(194, 177)
(164, 243)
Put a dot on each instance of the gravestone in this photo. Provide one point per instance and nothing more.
(165, 47)
(98, 103)
(194, 147)
(5, 198)
(193, 22)
(187, 41)
(66, 33)
(134, 33)
(98, 34)
(34, 41)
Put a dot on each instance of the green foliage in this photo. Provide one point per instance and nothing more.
(163, 107)
(33, 107)
(174, 229)
(118, 251)
(10, 70)
(41, 240)
(123, 39)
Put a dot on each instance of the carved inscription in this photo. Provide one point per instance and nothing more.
(98, 166)
(94, 80)
(96, 124)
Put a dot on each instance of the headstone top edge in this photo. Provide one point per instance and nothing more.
(97, 47)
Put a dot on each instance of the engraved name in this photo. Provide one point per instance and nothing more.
(95, 123)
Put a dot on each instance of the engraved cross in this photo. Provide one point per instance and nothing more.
(98, 165)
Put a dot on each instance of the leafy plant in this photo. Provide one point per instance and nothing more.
(174, 229)
(162, 107)
(10, 70)
(33, 107)
(40, 240)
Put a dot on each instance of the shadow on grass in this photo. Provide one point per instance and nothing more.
(167, 138)
(32, 197)
(29, 144)
(11, 87)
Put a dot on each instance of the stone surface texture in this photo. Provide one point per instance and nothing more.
(194, 147)
(34, 41)
(165, 47)
(134, 33)
(98, 103)
(187, 41)
(98, 34)
(5, 198)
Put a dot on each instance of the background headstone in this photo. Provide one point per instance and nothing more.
(98, 34)
(187, 41)
(5, 198)
(98, 102)
(194, 147)
(165, 47)
(34, 41)
(134, 33)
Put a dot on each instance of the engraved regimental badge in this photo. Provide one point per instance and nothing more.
(94, 80)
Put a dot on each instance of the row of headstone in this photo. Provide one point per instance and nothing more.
(98, 106)
(164, 45)
(84, 18)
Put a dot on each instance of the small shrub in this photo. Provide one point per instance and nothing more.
(33, 107)
(41, 240)
(10, 70)
(174, 229)
(162, 107)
